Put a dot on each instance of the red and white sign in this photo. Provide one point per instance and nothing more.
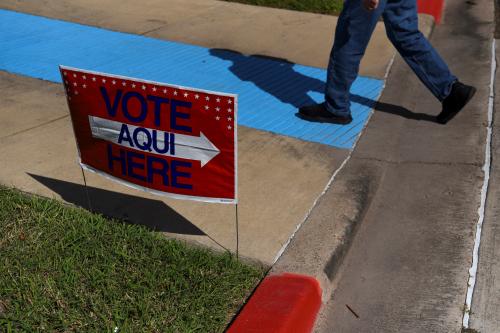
(164, 139)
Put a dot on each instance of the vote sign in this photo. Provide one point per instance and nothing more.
(165, 139)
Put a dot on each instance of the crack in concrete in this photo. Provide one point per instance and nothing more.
(34, 127)
(145, 33)
(381, 160)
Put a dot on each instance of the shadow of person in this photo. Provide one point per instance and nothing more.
(392, 109)
(153, 214)
(275, 76)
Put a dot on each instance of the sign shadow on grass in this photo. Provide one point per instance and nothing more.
(154, 214)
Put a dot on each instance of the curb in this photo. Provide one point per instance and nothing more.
(290, 302)
(431, 7)
(282, 303)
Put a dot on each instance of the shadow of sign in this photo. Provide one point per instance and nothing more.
(153, 214)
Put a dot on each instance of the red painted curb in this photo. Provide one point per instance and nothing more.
(281, 304)
(431, 7)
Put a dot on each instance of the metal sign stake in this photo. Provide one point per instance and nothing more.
(86, 190)
(237, 234)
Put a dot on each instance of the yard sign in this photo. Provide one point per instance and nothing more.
(164, 139)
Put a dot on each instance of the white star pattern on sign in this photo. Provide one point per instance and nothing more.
(224, 120)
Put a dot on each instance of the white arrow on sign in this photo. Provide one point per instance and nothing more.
(188, 147)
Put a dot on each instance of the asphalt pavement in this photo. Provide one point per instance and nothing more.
(407, 268)
(485, 308)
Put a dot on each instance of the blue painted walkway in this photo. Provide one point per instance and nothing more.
(269, 91)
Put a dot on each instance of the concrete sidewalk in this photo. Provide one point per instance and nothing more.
(39, 154)
(299, 37)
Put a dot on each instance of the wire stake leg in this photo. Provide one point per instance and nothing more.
(237, 234)
(86, 190)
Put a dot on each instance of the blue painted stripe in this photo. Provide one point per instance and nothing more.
(270, 91)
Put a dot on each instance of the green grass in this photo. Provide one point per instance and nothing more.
(64, 269)
(330, 7)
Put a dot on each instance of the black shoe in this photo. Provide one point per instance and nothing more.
(459, 96)
(318, 113)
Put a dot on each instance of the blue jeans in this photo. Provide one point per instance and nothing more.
(354, 29)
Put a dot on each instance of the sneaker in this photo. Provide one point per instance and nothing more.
(318, 113)
(459, 96)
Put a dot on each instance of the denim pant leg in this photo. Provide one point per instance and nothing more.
(401, 24)
(354, 29)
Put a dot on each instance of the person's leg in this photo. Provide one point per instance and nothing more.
(354, 29)
(401, 23)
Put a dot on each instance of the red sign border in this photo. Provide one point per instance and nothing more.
(146, 189)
